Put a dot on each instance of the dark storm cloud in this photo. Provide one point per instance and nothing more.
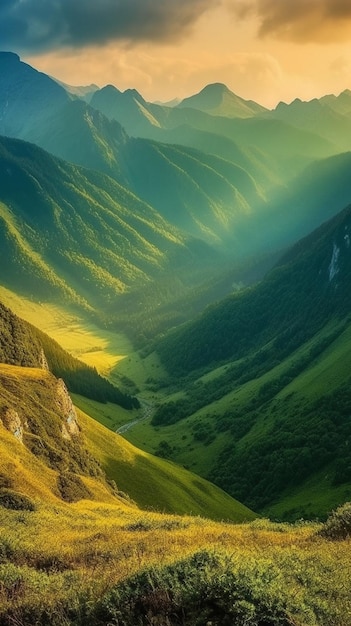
(299, 20)
(34, 25)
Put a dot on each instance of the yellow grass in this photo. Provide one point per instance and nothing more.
(82, 533)
(111, 353)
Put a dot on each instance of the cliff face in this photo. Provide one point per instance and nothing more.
(36, 408)
(13, 423)
(18, 424)
(70, 427)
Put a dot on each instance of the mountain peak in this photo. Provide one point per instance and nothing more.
(217, 99)
(110, 89)
(133, 93)
(210, 96)
(10, 57)
(216, 88)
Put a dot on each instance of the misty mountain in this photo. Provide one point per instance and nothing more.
(328, 116)
(217, 99)
(316, 195)
(83, 135)
(306, 289)
(28, 98)
(212, 187)
(272, 142)
(129, 108)
(340, 104)
(85, 92)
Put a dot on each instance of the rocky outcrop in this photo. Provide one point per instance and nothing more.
(70, 427)
(42, 361)
(13, 423)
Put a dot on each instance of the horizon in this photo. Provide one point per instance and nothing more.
(170, 100)
(260, 49)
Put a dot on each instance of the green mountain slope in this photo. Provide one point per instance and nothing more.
(273, 408)
(77, 233)
(56, 450)
(204, 195)
(319, 192)
(308, 276)
(23, 345)
(60, 455)
(257, 163)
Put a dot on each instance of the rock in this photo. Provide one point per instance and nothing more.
(42, 361)
(12, 422)
(70, 426)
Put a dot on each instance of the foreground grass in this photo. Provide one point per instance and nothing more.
(96, 564)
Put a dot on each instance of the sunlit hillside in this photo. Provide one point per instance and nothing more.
(78, 550)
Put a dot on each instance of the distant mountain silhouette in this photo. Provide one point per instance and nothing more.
(217, 99)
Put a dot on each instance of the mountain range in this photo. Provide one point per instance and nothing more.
(215, 233)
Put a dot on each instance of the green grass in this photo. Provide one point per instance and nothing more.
(155, 483)
(109, 415)
(329, 370)
(314, 499)
(151, 482)
(326, 372)
(97, 563)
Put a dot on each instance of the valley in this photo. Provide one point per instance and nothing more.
(175, 331)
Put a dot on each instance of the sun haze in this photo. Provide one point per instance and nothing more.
(261, 49)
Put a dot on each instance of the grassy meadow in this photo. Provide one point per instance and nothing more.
(98, 564)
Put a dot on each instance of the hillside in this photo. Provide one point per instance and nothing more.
(318, 193)
(312, 276)
(75, 549)
(77, 233)
(249, 398)
(36, 408)
(23, 345)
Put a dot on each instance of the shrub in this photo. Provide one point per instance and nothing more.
(16, 501)
(338, 524)
(5, 481)
(72, 488)
(6, 550)
(200, 589)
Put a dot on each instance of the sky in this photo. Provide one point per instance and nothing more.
(264, 50)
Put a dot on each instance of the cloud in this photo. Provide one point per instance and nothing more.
(321, 21)
(42, 25)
